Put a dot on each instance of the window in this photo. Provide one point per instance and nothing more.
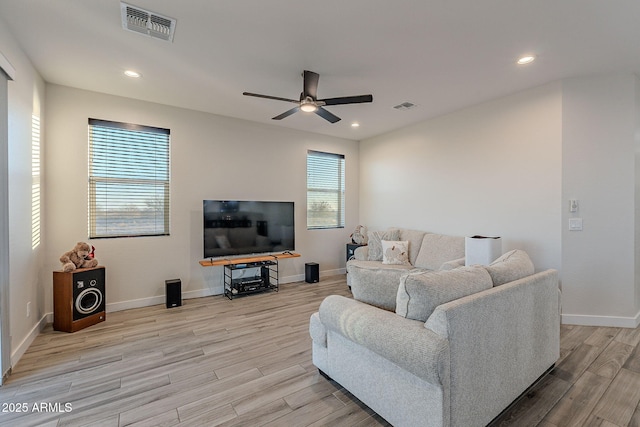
(128, 180)
(325, 190)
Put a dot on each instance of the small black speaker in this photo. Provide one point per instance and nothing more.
(311, 272)
(173, 290)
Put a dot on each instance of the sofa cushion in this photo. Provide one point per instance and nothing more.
(375, 283)
(436, 249)
(395, 252)
(414, 237)
(511, 266)
(420, 293)
(375, 242)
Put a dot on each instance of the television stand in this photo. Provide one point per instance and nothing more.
(263, 277)
(236, 284)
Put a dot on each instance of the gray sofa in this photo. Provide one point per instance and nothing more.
(458, 348)
(375, 282)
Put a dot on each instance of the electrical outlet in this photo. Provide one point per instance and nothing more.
(29, 309)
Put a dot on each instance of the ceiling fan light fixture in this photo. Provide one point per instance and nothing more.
(308, 107)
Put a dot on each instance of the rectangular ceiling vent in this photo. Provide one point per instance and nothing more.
(145, 22)
(405, 106)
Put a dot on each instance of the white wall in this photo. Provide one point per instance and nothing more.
(212, 157)
(599, 125)
(493, 169)
(26, 264)
(509, 168)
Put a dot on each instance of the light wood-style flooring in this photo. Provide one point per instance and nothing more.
(247, 362)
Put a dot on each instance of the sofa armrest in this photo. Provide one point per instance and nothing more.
(404, 342)
(501, 340)
(361, 253)
(317, 330)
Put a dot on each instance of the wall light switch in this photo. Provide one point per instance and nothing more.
(575, 224)
(573, 205)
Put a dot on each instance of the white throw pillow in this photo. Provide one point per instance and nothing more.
(395, 252)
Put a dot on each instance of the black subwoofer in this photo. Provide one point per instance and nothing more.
(311, 272)
(173, 291)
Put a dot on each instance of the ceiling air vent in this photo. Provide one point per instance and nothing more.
(146, 22)
(405, 106)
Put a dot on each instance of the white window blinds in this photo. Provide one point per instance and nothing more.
(325, 190)
(128, 180)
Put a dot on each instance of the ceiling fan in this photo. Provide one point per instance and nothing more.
(309, 101)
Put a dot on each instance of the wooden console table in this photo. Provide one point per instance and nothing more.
(229, 261)
(267, 279)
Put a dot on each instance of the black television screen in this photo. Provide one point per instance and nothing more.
(238, 227)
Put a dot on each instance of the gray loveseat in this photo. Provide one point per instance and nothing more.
(458, 348)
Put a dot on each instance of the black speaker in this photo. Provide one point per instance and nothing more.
(311, 272)
(173, 290)
(88, 293)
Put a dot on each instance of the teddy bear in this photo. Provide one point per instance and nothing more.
(359, 235)
(78, 257)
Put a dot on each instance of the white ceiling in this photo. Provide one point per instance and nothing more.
(440, 54)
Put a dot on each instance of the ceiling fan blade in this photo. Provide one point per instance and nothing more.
(310, 84)
(277, 98)
(347, 100)
(327, 115)
(286, 113)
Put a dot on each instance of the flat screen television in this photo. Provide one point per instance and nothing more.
(241, 227)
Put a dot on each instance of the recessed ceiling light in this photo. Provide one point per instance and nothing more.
(527, 59)
(355, 125)
(131, 73)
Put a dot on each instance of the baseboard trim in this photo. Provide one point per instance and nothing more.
(200, 293)
(157, 300)
(21, 348)
(325, 273)
(604, 321)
